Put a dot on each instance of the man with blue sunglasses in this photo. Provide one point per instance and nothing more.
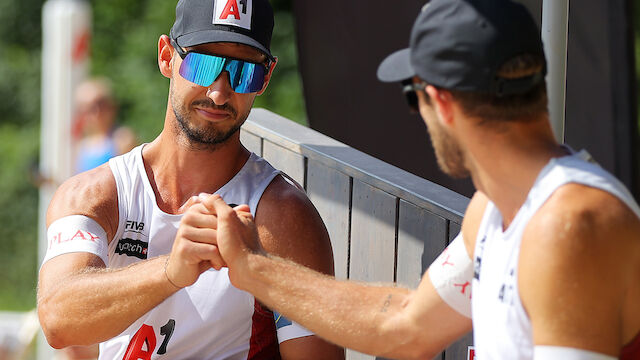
(131, 262)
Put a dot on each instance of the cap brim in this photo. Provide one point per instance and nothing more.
(396, 67)
(215, 36)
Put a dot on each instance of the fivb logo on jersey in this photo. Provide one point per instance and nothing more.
(233, 12)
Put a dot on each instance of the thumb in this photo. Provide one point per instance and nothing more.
(219, 207)
(243, 212)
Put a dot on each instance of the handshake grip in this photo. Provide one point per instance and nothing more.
(211, 234)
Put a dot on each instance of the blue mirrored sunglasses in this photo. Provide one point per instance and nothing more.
(202, 69)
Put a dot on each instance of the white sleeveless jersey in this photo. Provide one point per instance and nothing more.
(501, 327)
(208, 320)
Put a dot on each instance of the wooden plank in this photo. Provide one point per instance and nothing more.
(332, 153)
(457, 350)
(330, 192)
(354, 355)
(373, 217)
(284, 159)
(454, 229)
(422, 236)
(252, 142)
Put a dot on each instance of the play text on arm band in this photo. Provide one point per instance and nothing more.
(451, 274)
(76, 233)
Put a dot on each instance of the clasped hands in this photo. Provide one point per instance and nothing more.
(211, 234)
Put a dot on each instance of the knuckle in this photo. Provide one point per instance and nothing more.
(188, 217)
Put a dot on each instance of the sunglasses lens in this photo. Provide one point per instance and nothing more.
(201, 69)
(412, 100)
(245, 77)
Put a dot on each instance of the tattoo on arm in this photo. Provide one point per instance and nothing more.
(387, 303)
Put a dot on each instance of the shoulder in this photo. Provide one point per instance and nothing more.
(577, 256)
(283, 201)
(581, 227)
(290, 226)
(93, 194)
(282, 189)
(583, 220)
(472, 219)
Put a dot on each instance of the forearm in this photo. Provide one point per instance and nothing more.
(353, 315)
(97, 304)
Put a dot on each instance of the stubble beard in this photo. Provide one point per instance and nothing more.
(448, 153)
(207, 137)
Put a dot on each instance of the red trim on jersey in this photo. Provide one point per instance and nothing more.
(631, 351)
(264, 340)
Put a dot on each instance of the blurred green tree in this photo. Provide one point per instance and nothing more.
(19, 123)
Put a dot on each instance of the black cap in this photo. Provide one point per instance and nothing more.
(248, 22)
(461, 45)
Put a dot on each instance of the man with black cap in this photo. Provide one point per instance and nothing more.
(130, 262)
(547, 264)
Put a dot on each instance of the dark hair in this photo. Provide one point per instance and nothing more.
(490, 107)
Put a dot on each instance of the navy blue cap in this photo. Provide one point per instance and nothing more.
(248, 22)
(461, 45)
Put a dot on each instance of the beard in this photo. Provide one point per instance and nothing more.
(207, 137)
(448, 152)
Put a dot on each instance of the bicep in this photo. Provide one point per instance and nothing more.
(451, 274)
(54, 271)
(76, 234)
(80, 220)
(568, 279)
(441, 305)
(310, 347)
(442, 301)
(92, 194)
(297, 342)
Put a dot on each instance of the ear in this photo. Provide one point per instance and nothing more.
(267, 77)
(165, 56)
(443, 101)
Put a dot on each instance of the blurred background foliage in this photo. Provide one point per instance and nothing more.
(123, 48)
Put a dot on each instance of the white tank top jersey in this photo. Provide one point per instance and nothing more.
(208, 320)
(501, 327)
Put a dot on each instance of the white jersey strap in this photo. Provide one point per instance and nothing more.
(76, 233)
(451, 274)
(566, 353)
(287, 329)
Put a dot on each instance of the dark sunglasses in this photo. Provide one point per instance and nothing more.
(409, 89)
(203, 69)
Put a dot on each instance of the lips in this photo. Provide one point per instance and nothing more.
(214, 114)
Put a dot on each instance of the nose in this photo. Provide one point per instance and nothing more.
(220, 91)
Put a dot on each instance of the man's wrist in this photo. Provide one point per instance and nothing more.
(250, 271)
(166, 263)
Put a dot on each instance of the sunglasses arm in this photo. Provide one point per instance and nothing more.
(270, 66)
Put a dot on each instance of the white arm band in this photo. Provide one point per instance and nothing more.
(451, 274)
(287, 329)
(566, 353)
(76, 233)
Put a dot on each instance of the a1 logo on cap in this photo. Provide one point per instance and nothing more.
(233, 12)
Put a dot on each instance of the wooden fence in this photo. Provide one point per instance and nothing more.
(385, 224)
